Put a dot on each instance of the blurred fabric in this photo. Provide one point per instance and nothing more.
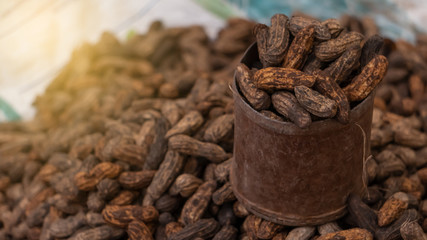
(38, 36)
(395, 18)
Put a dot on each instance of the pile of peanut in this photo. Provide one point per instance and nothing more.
(310, 70)
(134, 140)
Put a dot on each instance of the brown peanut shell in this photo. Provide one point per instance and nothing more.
(393, 231)
(240, 210)
(261, 34)
(222, 170)
(172, 112)
(204, 228)
(329, 227)
(300, 48)
(185, 185)
(280, 236)
(416, 87)
(363, 84)
(102, 232)
(105, 170)
(297, 23)
(329, 88)
(190, 146)
(107, 188)
(65, 227)
(227, 232)
(257, 98)
(121, 216)
(412, 231)
(353, 233)
(332, 49)
(87, 181)
(136, 180)
(251, 226)
(271, 115)
(124, 197)
(168, 171)
(286, 104)
(315, 103)
(157, 144)
(410, 137)
(197, 204)
(172, 228)
(275, 78)
(361, 214)
(371, 47)
(333, 26)
(301, 233)
(312, 64)
(341, 68)
(167, 203)
(223, 194)
(273, 46)
(219, 128)
(189, 123)
(390, 211)
(268, 230)
(137, 230)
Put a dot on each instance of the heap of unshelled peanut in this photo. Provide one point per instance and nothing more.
(309, 69)
(134, 140)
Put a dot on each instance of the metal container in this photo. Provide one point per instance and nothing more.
(295, 176)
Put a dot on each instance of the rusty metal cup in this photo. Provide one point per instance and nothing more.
(295, 176)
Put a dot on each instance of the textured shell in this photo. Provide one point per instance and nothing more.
(341, 68)
(275, 78)
(297, 23)
(363, 84)
(326, 86)
(333, 26)
(353, 234)
(286, 104)
(315, 103)
(300, 48)
(332, 49)
(257, 98)
(277, 41)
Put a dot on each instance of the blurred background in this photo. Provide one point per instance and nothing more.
(38, 36)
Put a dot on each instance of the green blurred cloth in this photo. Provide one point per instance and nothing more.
(8, 111)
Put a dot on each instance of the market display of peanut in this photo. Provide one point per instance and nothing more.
(138, 143)
(330, 60)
